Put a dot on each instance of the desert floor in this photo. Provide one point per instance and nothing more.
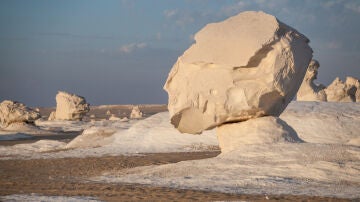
(68, 176)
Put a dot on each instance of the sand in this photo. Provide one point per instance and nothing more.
(70, 176)
(67, 177)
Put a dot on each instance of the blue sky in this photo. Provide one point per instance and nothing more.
(120, 51)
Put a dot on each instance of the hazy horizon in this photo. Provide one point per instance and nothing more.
(121, 51)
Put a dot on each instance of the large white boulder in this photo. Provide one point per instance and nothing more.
(16, 112)
(70, 106)
(248, 66)
(309, 91)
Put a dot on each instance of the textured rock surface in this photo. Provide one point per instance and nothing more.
(135, 113)
(247, 66)
(309, 91)
(70, 106)
(263, 130)
(16, 112)
(339, 91)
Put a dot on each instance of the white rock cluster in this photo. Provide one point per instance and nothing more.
(136, 113)
(337, 91)
(69, 107)
(12, 112)
(250, 65)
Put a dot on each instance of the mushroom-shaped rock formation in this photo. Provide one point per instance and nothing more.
(70, 106)
(248, 66)
(16, 112)
(309, 91)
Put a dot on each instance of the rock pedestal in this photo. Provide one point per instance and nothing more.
(263, 130)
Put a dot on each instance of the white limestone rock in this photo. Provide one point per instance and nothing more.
(136, 113)
(309, 91)
(92, 137)
(354, 86)
(70, 106)
(247, 66)
(263, 130)
(339, 91)
(16, 112)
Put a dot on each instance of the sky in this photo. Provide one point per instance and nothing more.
(121, 51)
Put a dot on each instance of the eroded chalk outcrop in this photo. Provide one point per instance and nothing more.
(69, 107)
(12, 112)
(309, 90)
(250, 65)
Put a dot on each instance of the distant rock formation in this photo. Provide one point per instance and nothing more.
(12, 112)
(309, 91)
(250, 65)
(337, 91)
(136, 113)
(113, 117)
(354, 87)
(69, 107)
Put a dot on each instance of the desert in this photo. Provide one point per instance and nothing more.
(244, 117)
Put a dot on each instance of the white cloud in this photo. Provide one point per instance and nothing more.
(170, 13)
(333, 45)
(353, 6)
(128, 48)
(184, 20)
(233, 9)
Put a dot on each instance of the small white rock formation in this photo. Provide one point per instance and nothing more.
(248, 66)
(339, 91)
(125, 119)
(113, 117)
(136, 113)
(92, 137)
(309, 91)
(263, 130)
(354, 85)
(15, 112)
(70, 106)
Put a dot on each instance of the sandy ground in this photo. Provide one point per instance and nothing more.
(68, 176)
